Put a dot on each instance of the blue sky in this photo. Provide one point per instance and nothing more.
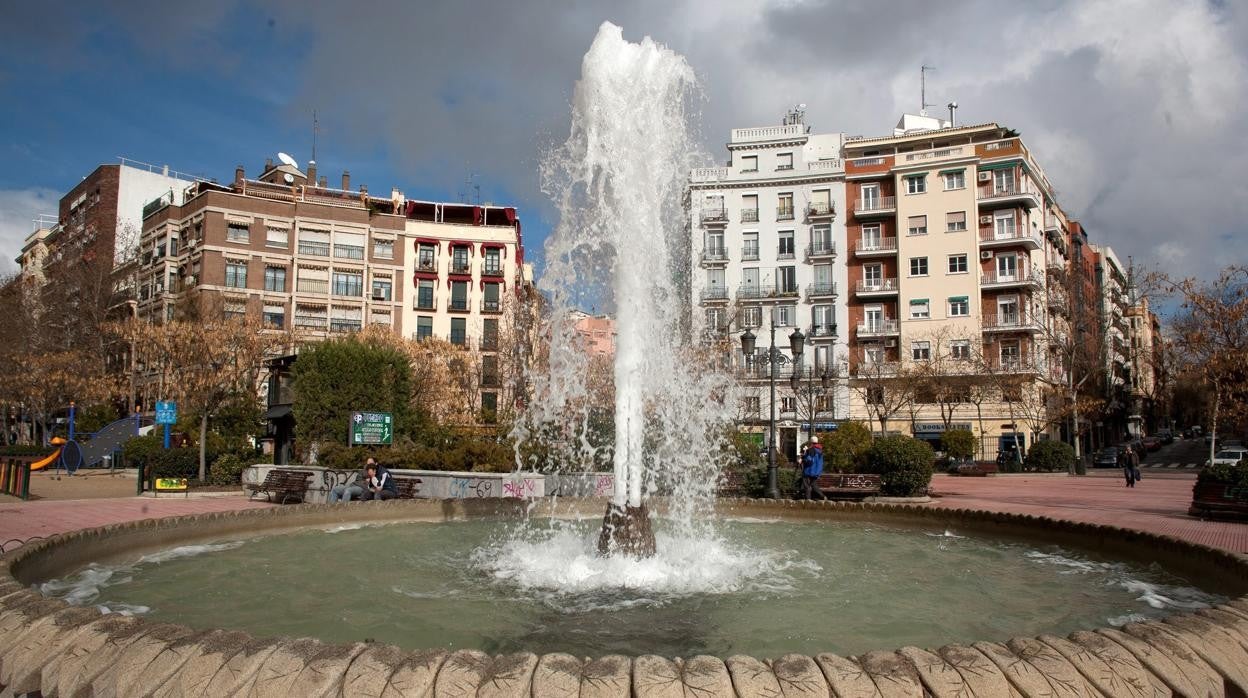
(1132, 118)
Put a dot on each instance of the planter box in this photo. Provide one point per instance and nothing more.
(1218, 500)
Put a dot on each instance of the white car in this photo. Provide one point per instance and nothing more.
(1230, 456)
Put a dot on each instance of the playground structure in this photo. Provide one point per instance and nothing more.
(95, 448)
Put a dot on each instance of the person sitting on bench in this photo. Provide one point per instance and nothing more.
(355, 489)
(379, 484)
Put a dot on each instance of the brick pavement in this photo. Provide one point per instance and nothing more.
(1158, 504)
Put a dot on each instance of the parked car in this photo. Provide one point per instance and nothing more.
(1229, 456)
(1106, 458)
(1152, 443)
(1166, 436)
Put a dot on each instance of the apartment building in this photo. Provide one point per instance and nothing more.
(1147, 366)
(1113, 303)
(288, 250)
(596, 333)
(767, 235)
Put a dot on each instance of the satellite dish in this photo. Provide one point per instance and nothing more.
(802, 105)
(290, 179)
(287, 160)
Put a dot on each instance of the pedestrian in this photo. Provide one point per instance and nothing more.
(812, 468)
(1125, 458)
(379, 484)
(355, 488)
(1135, 466)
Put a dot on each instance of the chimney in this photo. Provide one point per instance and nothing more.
(346, 180)
(268, 164)
(363, 188)
(238, 175)
(324, 182)
(312, 172)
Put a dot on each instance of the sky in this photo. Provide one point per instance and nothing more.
(1135, 109)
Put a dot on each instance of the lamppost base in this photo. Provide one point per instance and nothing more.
(626, 531)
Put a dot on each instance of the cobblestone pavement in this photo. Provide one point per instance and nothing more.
(1157, 504)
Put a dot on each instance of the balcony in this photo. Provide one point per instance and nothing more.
(749, 215)
(1051, 224)
(822, 332)
(494, 273)
(460, 267)
(492, 307)
(873, 369)
(749, 253)
(821, 250)
(821, 291)
(714, 295)
(1011, 322)
(459, 305)
(714, 216)
(1011, 193)
(820, 211)
(427, 266)
(990, 238)
(311, 322)
(1019, 279)
(876, 247)
(876, 287)
(714, 256)
(1010, 365)
(876, 206)
(489, 380)
(489, 343)
(881, 328)
(784, 213)
(764, 293)
(312, 286)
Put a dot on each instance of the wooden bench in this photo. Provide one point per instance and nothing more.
(848, 485)
(731, 484)
(408, 487)
(979, 469)
(287, 483)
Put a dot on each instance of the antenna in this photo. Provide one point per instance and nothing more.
(923, 105)
(315, 129)
(953, 107)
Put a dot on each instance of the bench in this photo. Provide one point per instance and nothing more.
(731, 484)
(979, 469)
(408, 487)
(287, 483)
(848, 485)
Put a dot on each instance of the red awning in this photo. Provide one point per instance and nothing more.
(428, 241)
(427, 275)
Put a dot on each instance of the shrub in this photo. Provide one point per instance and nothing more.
(139, 449)
(1050, 456)
(173, 462)
(958, 444)
(227, 470)
(904, 465)
(755, 481)
(1235, 474)
(26, 450)
(845, 449)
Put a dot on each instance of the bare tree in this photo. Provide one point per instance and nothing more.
(886, 388)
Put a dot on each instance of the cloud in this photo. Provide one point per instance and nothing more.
(18, 209)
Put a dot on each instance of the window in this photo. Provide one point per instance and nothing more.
(749, 208)
(1003, 225)
(957, 264)
(960, 349)
(916, 184)
(1007, 267)
(314, 243)
(821, 202)
(236, 274)
(459, 296)
(784, 207)
(234, 310)
(346, 319)
(348, 283)
(311, 316)
(959, 306)
(458, 331)
(786, 245)
(917, 225)
(871, 239)
(749, 163)
(1003, 181)
(494, 262)
(489, 334)
(381, 289)
(918, 266)
(1007, 311)
(823, 320)
(717, 283)
(870, 197)
(921, 351)
(954, 180)
(788, 404)
(383, 249)
(426, 257)
(489, 405)
(715, 245)
(490, 301)
(823, 279)
(920, 309)
(749, 246)
(955, 221)
(379, 316)
(349, 245)
(752, 317)
(489, 371)
(749, 282)
(873, 275)
(459, 259)
(275, 279)
(237, 232)
(821, 239)
(274, 315)
(752, 404)
(784, 161)
(716, 319)
(786, 280)
(424, 327)
(424, 294)
(875, 393)
(785, 315)
(277, 237)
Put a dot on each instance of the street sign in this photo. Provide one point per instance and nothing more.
(166, 412)
(372, 429)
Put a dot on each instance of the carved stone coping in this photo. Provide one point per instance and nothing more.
(49, 646)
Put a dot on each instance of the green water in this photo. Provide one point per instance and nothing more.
(765, 588)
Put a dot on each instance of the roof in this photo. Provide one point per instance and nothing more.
(858, 141)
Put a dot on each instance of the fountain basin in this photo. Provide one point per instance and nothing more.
(1219, 630)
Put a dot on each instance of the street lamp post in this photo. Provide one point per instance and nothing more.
(773, 360)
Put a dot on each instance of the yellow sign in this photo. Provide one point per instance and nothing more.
(171, 484)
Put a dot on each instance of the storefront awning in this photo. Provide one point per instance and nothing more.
(277, 412)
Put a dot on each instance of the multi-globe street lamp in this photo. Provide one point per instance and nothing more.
(774, 359)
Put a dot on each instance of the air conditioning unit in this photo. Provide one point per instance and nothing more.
(379, 296)
(985, 176)
(985, 219)
(890, 343)
(191, 244)
(190, 280)
(986, 254)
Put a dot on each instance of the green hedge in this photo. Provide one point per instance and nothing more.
(754, 482)
(904, 465)
(27, 450)
(227, 470)
(958, 444)
(469, 454)
(1050, 456)
(845, 449)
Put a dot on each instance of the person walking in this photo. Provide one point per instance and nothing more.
(379, 484)
(812, 468)
(1135, 466)
(355, 488)
(1125, 458)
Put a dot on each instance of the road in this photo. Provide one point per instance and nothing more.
(1183, 454)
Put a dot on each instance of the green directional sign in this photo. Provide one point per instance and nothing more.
(372, 429)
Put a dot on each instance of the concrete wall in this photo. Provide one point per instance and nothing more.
(435, 484)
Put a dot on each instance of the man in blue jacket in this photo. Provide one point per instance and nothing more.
(812, 468)
(379, 483)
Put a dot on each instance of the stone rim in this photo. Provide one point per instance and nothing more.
(1207, 647)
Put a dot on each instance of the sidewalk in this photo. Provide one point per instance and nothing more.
(1157, 504)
